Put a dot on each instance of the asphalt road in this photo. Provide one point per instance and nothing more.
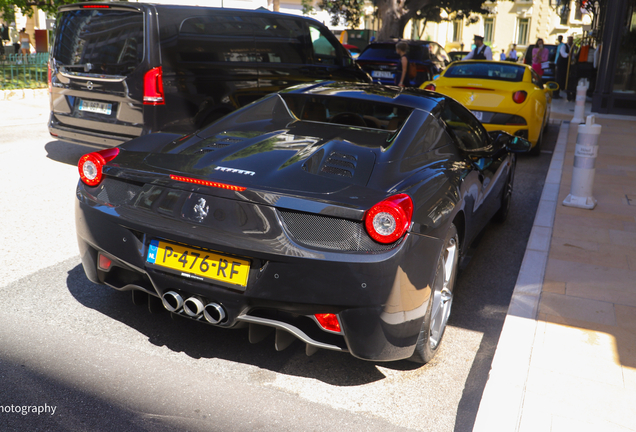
(105, 364)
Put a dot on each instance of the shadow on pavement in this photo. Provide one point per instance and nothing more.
(199, 340)
(61, 151)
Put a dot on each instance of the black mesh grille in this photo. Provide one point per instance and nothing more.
(117, 192)
(331, 233)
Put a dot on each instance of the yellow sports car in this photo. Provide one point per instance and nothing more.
(503, 96)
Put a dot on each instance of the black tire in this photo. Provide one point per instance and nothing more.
(439, 305)
(506, 198)
(536, 150)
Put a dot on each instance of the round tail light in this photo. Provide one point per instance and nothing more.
(430, 87)
(388, 220)
(519, 96)
(90, 165)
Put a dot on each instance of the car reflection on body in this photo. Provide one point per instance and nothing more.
(503, 96)
(331, 213)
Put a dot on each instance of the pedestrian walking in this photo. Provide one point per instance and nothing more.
(512, 56)
(402, 48)
(539, 56)
(502, 56)
(481, 51)
(563, 56)
(25, 42)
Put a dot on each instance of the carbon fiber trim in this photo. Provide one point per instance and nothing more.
(117, 192)
(323, 232)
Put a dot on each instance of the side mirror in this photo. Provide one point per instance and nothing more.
(511, 143)
(552, 86)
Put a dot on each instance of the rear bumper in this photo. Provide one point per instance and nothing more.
(380, 298)
(88, 138)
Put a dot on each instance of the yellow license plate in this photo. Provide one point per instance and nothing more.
(198, 264)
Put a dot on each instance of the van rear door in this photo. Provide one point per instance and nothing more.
(97, 75)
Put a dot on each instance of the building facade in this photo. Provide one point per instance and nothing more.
(615, 91)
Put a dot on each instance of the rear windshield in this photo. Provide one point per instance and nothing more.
(99, 41)
(386, 51)
(280, 110)
(497, 71)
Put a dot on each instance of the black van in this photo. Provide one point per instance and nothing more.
(120, 70)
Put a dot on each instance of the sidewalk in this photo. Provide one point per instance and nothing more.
(566, 357)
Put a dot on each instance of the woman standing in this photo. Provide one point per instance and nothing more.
(25, 42)
(402, 48)
(539, 55)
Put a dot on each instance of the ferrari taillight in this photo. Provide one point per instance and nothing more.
(430, 87)
(153, 87)
(519, 96)
(328, 322)
(90, 165)
(388, 220)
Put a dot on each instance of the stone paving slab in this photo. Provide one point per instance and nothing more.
(568, 361)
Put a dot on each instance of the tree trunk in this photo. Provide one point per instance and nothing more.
(395, 14)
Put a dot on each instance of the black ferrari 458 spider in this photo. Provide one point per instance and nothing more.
(332, 213)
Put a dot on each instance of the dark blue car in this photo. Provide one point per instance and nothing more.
(380, 60)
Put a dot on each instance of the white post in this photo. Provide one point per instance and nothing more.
(581, 94)
(583, 172)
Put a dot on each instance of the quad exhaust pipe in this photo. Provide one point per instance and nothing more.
(214, 313)
(194, 307)
(172, 301)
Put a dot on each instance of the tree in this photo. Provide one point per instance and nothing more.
(346, 11)
(26, 6)
(395, 14)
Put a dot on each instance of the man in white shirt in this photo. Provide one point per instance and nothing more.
(562, 65)
(481, 51)
(513, 53)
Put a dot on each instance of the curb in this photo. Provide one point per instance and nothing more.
(15, 94)
(501, 406)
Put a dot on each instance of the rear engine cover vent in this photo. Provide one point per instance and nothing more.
(339, 164)
(218, 142)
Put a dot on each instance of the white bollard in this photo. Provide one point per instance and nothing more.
(579, 108)
(583, 171)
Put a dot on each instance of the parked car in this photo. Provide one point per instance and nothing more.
(119, 70)
(549, 74)
(457, 55)
(353, 50)
(380, 60)
(334, 213)
(502, 95)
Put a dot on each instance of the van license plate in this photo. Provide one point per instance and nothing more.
(96, 107)
(381, 74)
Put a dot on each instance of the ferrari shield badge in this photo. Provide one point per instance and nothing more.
(201, 210)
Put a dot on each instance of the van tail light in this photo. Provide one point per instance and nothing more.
(48, 66)
(90, 165)
(329, 322)
(430, 87)
(153, 87)
(519, 96)
(388, 220)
